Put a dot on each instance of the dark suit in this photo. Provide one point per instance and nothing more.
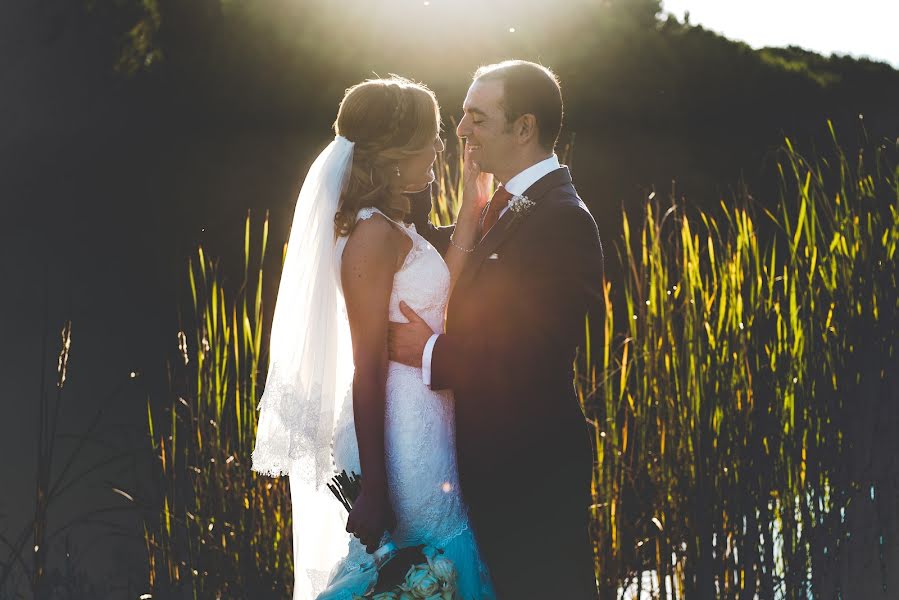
(514, 320)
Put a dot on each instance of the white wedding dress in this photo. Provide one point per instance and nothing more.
(420, 450)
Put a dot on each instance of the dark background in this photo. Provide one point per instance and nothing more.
(121, 152)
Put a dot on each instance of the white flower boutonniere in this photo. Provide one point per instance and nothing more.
(521, 206)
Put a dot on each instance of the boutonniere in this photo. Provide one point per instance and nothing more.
(521, 206)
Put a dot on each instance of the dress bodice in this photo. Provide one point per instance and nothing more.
(422, 281)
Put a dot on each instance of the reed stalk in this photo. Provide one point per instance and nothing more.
(741, 380)
(744, 354)
(219, 529)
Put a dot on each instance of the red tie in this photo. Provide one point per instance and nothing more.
(498, 202)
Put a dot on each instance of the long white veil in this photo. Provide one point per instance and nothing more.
(310, 372)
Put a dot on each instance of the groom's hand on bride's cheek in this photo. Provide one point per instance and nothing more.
(406, 341)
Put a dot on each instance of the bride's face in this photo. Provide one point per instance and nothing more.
(417, 170)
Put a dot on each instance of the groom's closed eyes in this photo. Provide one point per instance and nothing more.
(477, 115)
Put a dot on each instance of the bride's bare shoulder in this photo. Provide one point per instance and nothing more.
(375, 243)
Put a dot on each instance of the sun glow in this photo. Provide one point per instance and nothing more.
(456, 36)
(859, 28)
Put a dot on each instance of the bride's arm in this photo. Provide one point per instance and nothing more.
(475, 194)
(368, 265)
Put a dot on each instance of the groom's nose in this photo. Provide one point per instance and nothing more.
(462, 129)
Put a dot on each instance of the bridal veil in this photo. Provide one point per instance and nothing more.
(310, 371)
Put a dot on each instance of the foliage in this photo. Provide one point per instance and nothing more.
(745, 362)
(740, 369)
(650, 96)
(140, 49)
(218, 528)
(630, 63)
(59, 471)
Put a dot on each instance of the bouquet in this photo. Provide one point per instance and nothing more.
(411, 573)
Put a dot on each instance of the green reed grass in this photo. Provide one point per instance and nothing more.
(219, 530)
(737, 362)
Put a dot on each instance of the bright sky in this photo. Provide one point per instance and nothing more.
(856, 27)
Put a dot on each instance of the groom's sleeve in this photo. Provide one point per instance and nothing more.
(421, 204)
(426, 357)
(536, 333)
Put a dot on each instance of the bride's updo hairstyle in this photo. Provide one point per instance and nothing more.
(387, 120)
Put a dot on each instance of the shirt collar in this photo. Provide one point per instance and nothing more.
(519, 184)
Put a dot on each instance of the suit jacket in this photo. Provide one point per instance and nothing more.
(514, 320)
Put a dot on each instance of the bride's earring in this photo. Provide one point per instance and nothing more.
(397, 169)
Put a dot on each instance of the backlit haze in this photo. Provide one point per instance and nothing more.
(861, 28)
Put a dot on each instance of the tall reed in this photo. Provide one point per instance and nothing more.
(742, 387)
(747, 362)
(60, 470)
(219, 529)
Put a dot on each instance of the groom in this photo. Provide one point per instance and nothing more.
(514, 320)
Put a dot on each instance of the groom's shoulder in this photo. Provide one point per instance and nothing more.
(564, 204)
(560, 190)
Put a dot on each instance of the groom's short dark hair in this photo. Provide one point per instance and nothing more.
(529, 88)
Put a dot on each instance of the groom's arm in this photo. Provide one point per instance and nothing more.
(421, 205)
(536, 332)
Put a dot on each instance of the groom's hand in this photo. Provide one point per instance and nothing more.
(406, 341)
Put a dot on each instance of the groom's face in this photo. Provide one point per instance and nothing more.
(484, 127)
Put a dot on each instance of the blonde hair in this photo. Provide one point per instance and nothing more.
(387, 119)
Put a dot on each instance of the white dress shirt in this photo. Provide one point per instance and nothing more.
(516, 186)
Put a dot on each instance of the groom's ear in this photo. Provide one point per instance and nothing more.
(526, 128)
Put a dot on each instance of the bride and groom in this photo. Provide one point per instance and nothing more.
(437, 361)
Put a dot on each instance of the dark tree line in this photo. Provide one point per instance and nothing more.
(685, 102)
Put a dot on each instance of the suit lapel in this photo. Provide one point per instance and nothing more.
(508, 223)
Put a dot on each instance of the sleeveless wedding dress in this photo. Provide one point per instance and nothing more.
(419, 440)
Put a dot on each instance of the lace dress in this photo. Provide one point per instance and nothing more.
(419, 439)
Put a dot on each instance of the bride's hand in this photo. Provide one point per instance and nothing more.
(370, 518)
(475, 184)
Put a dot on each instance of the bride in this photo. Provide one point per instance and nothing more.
(332, 399)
